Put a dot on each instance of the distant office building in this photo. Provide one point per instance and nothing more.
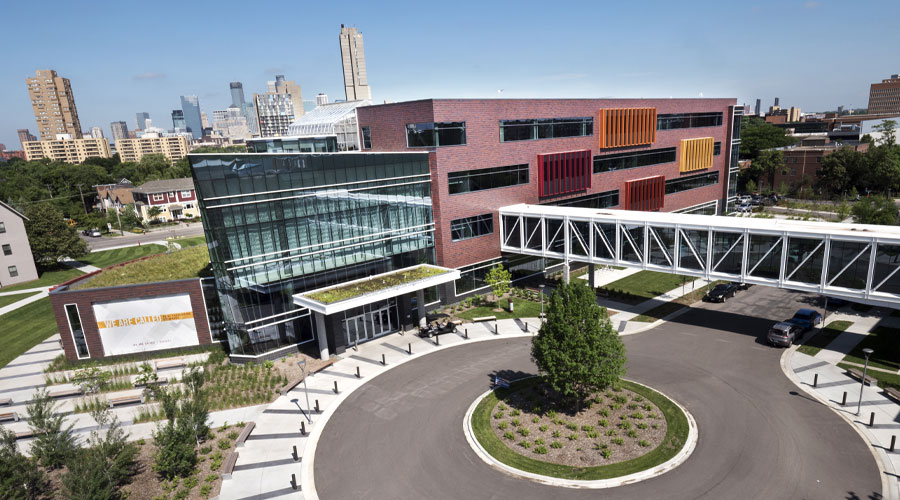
(321, 99)
(757, 108)
(25, 136)
(247, 108)
(328, 128)
(231, 123)
(776, 102)
(237, 94)
(884, 97)
(353, 60)
(54, 105)
(66, 149)
(178, 120)
(97, 132)
(193, 120)
(793, 114)
(279, 107)
(16, 261)
(802, 163)
(119, 130)
(174, 148)
(142, 121)
(204, 120)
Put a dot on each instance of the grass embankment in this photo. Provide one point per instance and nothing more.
(180, 264)
(49, 277)
(676, 436)
(884, 379)
(106, 258)
(6, 300)
(188, 242)
(885, 342)
(663, 310)
(25, 328)
(813, 345)
(643, 285)
(521, 309)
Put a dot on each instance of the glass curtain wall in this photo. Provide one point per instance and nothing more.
(278, 225)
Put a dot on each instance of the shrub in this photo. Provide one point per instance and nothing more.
(621, 399)
(648, 407)
(216, 460)
(632, 406)
(499, 415)
(515, 422)
(625, 426)
(223, 444)
(524, 432)
(556, 445)
(502, 426)
(20, 476)
(592, 434)
(543, 428)
(551, 414)
(615, 406)
(540, 450)
(205, 490)
(509, 435)
(637, 398)
(644, 443)
(233, 435)
(572, 426)
(525, 444)
(637, 415)
(539, 441)
(535, 420)
(655, 426)
(606, 453)
(618, 441)
(556, 434)
(572, 437)
(54, 444)
(587, 428)
(632, 433)
(642, 426)
(604, 412)
(205, 450)
(211, 478)
(602, 422)
(610, 432)
(515, 412)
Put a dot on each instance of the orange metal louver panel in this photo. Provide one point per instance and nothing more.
(624, 127)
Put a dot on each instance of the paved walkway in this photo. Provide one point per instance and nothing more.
(832, 383)
(41, 293)
(81, 266)
(845, 342)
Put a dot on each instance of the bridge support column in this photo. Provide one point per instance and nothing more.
(420, 307)
(323, 339)
(566, 272)
(591, 275)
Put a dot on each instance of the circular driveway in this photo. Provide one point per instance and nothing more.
(400, 435)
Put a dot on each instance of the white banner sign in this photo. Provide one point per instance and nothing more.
(137, 325)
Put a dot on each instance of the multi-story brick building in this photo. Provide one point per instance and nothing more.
(175, 199)
(173, 148)
(67, 150)
(884, 97)
(802, 163)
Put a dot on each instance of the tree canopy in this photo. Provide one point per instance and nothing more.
(757, 135)
(577, 349)
(51, 238)
(875, 210)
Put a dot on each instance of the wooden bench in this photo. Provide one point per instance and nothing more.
(125, 400)
(171, 363)
(65, 393)
(892, 393)
(294, 382)
(159, 381)
(24, 434)
(228, 467)
(5, 401)
(9, 416)
(853, 372)
(484, 318)
(242, 438)
(500, 382)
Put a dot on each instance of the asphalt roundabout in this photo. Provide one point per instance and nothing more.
(400, 435)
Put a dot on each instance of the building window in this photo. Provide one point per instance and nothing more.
(186, 194)
(7, 250)
(471, 227)
(158, 197)
(696, 154)
(188, 206)
(561, 173)
(13, 271)
(818, 159)
(622, 127)
(545, 128)
(645, 194)
(717, 148)
(420, 135)
(598, 200)
(691, 182)
(2, 227)
(793, 172)
(621, 161)
(77, 331)
(487, 178)
(688, 120)
(366, 138)
(172, 195)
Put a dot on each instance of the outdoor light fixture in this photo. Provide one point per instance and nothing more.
(862, 382)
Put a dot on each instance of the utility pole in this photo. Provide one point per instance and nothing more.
(119, 219)
(82, 198)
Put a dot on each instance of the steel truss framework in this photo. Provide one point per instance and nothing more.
(852, 261)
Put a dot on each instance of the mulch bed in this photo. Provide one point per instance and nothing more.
(578, 438)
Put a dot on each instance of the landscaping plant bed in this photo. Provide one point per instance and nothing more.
(616, 432)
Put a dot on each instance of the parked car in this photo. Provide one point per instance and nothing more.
(720, 293)
(744, 208)
(784, 334)
(807, 319)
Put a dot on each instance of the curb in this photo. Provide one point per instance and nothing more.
(889, 488)
(597, 484)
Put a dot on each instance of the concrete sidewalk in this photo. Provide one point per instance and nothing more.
(830, 388)
(42, 292)
(835, 351)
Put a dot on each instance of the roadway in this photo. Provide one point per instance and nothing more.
(131, 239)
(400, 435)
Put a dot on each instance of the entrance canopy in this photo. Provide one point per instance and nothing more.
(853, 261)
(339, 298)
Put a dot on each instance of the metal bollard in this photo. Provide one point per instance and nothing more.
(467, 333)
(357, 373)
(844, 399)
(294, 455)
(302, 430)
(437, 340)
(815, 380)
(893, 442)
(335, 387)
(294, 482)
(317, 407)
(872, 419)
(383, 362)
(496, 329)
(526, 327)
(409, 348)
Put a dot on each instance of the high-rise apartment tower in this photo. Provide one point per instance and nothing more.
(54, 105)
(353, 60)
(884, 97)
(279, 107)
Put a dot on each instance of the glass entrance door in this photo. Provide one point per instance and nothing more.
(371, 324)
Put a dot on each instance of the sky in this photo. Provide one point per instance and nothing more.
(123, 57)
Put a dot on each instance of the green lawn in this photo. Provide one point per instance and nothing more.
(25, 328)
(6, 300)
(180, 264)
(645, 285)
(522, 309)
(47, 278)
(663, 310)
(189, 242)
(106, 258)
(884, 379)
(886, 344)
(813, 345)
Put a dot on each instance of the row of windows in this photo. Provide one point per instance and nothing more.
(605, 199)
(545, 128)
(621, 161)
(691, 182)
(471, 227)
(487, 178)
(688, 120)
(420, 135)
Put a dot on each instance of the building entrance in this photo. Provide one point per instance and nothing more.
(371, 324)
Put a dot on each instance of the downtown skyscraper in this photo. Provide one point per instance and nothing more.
(190, 105)
(353, 60)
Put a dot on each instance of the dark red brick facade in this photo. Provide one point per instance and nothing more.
(483, 149)
(86, 298)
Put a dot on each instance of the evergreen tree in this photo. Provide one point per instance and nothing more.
(20, 477)
(54, 444)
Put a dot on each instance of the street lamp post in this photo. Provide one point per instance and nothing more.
(302, 365)
(862, 383)
(541, 286)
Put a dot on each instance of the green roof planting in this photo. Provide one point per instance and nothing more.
(374, 284)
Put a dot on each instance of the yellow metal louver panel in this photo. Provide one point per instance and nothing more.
(696, 154)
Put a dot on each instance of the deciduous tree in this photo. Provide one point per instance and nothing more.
(875, 210)
(51, 238)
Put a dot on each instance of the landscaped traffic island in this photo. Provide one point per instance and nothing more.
(617, 432)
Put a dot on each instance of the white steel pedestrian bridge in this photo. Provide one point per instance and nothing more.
(852, 261)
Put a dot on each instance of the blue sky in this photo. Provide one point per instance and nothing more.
(123, 57)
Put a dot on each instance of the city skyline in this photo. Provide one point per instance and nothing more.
(718, 51)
